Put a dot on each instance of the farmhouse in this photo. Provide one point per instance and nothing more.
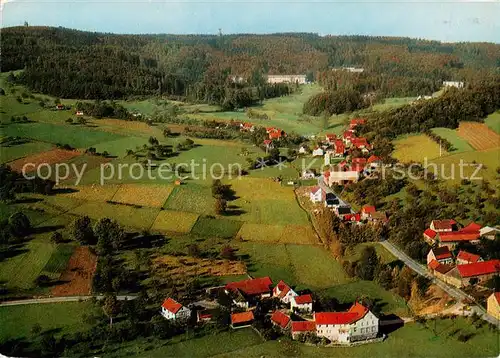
(308, 174)
(318, 152)
(79, 113)
(451, 239)
(441, 255)
(173, 310)
(478, 272)
(489, 232)
(430, 236)
(374, 161)
(203, 316)
(443, 225)
(284, 292)
(378, 217)
(268, 143)
(303, 327)
(280, 319)
(59, 107)
(446, 273)
(341, 177)
(247, 127)
(493, 305)
(246, 292)
(456, 84)
(330, 138)
(302, 303)
(367, 211)
(464, 258)
(242, 319)
(300, 79)
(316, 194)
(339, 148)
(355, 122)
(352, 218)
(357, 324)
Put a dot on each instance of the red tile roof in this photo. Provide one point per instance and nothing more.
(171, 305)
(458, 236)
(433, 265)
(242, 317)
(303, 299)
(357, 167)
(331, 136)
(497, 297)
(280, 319)
(314, 190)
(467, 256)
(357, 121)
(339, 149)
(254, 286)
(442, 253)
(430, 233)
(444, 224)
(368, 209)
(355, 313)
(359, 142)
(359, 161)
(373, 158)
(352, 217)
(267, 141)
(283, 287)
(479, 268)
(303, 326)
(441, 268)
(472, 227)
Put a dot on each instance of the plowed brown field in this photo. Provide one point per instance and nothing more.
(51, 157)
(77, 277)
(479, 135)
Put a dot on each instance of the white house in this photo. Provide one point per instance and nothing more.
(79, 113)
(341, 177)
(489, 232)
(357, 324)
(457, 84)
(300, 79)
(302, 150)
(302, 303)
(173, 310)
(308, 174)
(316, 194)
(317, 152)
(441, 254)
(284, 292)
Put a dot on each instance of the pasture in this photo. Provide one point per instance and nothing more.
(10, 152)
(216, 227)
(174, 221)
(66, 317)
(193, 198)
(355, 253)
(479, 135)
(493, 122)
(451, 135)
(415, 148)
(75, 136)
(279, 234)
(58, 260)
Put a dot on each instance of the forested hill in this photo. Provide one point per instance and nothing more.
(70, 63)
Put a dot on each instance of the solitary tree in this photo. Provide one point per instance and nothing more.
(19, 224)
(82, 231)
(111, 307)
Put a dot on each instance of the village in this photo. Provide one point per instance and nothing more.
(289, 312)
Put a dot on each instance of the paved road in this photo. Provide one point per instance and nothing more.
(59, 299)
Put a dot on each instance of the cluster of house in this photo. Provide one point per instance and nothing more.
(466, 268)
(356, 324)
(272, 132)
(272, 79)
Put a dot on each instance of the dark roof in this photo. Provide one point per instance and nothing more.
(344, 210)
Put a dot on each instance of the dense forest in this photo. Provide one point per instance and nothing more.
(76, 64)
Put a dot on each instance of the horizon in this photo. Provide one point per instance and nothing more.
(447, 21)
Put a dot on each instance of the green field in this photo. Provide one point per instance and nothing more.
(451, 135)
(216, 227)
(59, 259)
(75, 136)
(17, 321)
(384, 255)
(191, 198)
(390, 103)
(22, 269)
(412, 340)
(13, 152)
(493, 121)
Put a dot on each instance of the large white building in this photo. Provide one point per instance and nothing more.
(357, 324)
(173, 310)
(300, 79)
(457, 84)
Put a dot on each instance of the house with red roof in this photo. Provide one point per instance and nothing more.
(362, 144)
(472, 228)
(356, 324)
(339, 148)
(464, 258)
(443, 225)
(284, 292)
(373, 161)
(242, 319)
(478, 272)
(452, 239)
(303, 327)
(430, 236)
(441, 254)
(173, 310)
(280, 320)
(330, 138)
(493, 305)
(354, 218)
(355, 122)
(203, 316)
(347, 136)
(302, 303)
(445, 272)
(79, 113)
(367, 211)
(247, 127)
(245, 293)
(316, 195)
(268, 143)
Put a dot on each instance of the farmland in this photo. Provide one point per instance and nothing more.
(10, 152)
(415, 148)
(493, 121)
(480, 136)
(51, 157)
(459, 144)
(77, 276)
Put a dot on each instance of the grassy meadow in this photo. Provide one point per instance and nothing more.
(415, 148)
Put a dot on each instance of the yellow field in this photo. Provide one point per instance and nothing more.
(260, 189)
(126, 215)
(415, 148)
(143, 194)
(175, 221)
(260, 232)
(91, 192)
(126, 127)
(298, 234)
